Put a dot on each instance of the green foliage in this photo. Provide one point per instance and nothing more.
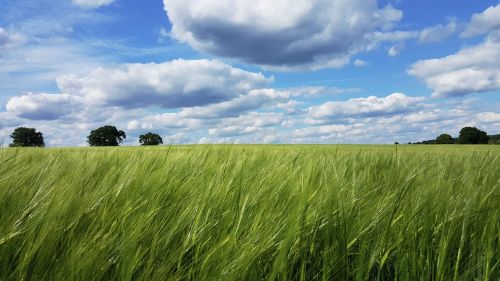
(251, 213)
(494, 139)
(150, 139)
(26, 137)
(106, 136)
(472, 135)
(444, 139)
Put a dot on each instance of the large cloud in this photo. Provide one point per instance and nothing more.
(174, 84)
(280, 33)
(372, 106)
(211, 87)
(483, 23)
(472, 69)
(44, 106)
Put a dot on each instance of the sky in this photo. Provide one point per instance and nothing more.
(250, 71)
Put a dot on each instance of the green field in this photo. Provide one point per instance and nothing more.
(251, 213)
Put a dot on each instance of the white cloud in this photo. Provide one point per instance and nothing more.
(395, 50)
(472, 69)
(372, 106)
(313, 34)
(483, 23)
(427, 122)
(393, 36)
(315, 91)
(321, 131)
(9, 40)
(360, 63)
(92, 3)
(174, 84)
(121, 95)
(489, 117)
(133, 125)
(44, 106)
(438, 33)
(232, 131)
(255, 99)
(35, 63)
(369, 120)
(163, 35)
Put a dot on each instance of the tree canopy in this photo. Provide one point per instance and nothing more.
(444, 139)
(106, 136)
(472, 135)
(26, 137)
(150, 139)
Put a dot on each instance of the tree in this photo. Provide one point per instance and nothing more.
(26, 137)
(444, 139)
(472, 135)
(150, 139)
(106, 136)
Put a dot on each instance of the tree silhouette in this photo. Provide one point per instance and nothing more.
(444, 139)
(472, 135)
(26, 137)
(150, 139)
(106, 136)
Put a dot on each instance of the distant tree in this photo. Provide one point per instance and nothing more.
(494, 139)
(26, 137)
(472, 135)
(106, 136)
(396, 143)
(444, 139)
(150, 139)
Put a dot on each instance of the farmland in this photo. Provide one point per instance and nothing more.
(251, 212)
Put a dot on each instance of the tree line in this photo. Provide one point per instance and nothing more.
(467, 135)
(111, 136)
(103, 136)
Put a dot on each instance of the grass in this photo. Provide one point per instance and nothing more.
(251, 213)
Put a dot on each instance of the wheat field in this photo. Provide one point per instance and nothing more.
(251, 212)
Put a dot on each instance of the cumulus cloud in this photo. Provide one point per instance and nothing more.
(483, 23)
(255, 99)
(213, 90)
(313, 34)
(174, 84)
(372, 106)
(364, 125)
(255, 127)
(92, 3)
(44, 106)
(202, 95)
(472, 69)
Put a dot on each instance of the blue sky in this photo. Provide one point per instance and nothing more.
(241, 71)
